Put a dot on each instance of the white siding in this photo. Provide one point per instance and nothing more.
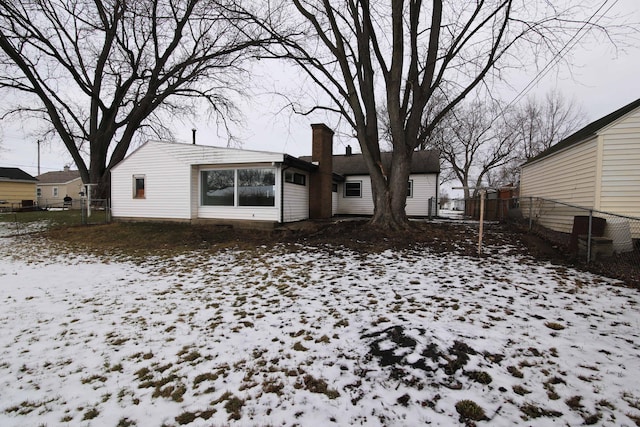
(172, 182)
(424, 188)
(334, 201)
(295, 204)
(167, 183)
(567, 176)
(356, 205)
(620, 185)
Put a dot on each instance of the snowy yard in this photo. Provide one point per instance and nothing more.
(311, 336)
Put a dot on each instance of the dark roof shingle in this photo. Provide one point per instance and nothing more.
(15, 174)
(427, 161)
(58, 177)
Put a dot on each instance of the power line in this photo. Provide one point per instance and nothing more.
(562, 52)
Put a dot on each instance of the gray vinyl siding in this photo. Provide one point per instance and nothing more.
(567, 176)
(620, 191)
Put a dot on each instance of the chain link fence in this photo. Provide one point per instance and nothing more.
(22, 221)
(608, 242)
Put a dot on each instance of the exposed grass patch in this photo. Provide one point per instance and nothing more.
(90, 414)
(518, 389)
(554, 325)
(315, 385)
(481, 377)
(515, 372)
(470, 411)
(533, 411)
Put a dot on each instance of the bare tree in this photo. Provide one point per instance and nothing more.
(97, 71)
(475, 141)
(539, 124)
(401, 56)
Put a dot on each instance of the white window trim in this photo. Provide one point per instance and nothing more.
(344, 193)
(410, 189)
(144, 180)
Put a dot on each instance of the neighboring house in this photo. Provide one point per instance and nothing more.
(53, 187)
(17, 189)
(598, 167)
(187, 182)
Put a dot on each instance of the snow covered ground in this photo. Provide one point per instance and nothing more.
(293, 335)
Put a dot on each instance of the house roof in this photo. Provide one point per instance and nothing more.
(15, 174)
(589, 131)
(58, 177)
(427, 161)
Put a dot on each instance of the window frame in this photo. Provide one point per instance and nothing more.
(237, 202)
(296, 178)
(136, 193)
(352, 196)
(410, 189)
(244, 192)
(234, 186)
(54, 191)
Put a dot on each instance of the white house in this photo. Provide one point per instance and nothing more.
(598, 167)
(187, 182)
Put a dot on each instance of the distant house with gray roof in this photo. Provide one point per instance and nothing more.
(54, 186)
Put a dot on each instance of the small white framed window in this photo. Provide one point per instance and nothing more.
(353, 189)
(138, 186)
(54, 191)
(410, 188)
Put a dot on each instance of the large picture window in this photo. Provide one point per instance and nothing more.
(256, 187)
(218, 187)
(241, 187)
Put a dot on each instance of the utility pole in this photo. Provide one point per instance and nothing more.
(38, 157)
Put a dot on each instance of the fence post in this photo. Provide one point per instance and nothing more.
(589, 236)
(530, 213)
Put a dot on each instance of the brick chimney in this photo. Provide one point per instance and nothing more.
(321, 180)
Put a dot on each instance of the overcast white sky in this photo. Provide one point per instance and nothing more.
(601, 80)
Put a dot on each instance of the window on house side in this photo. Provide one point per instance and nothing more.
(138, 187)
(39, 192)
(353, 189)
(218, 187)
(256, 187)
(55, 192)
(295, 178)
(410, 188)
